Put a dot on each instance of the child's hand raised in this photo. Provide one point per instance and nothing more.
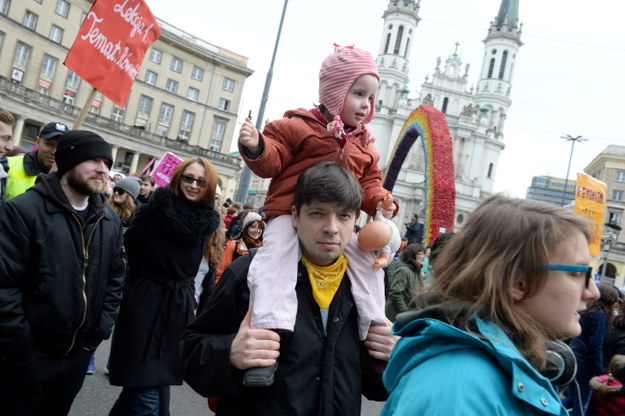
(249, 137)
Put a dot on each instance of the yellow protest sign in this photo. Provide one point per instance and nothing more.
(590, 200)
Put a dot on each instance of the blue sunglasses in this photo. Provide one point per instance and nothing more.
(575, 268)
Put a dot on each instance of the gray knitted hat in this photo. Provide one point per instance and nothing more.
(130, 184)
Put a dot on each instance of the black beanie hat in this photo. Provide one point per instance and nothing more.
(76, 146)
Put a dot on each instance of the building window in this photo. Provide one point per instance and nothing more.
(73, 80)
(400, 34)
(48, 66)
(228, 85)
(224, 105)
(491, 67)
(22, 53)
(1, 41)
(62, 7)
(30, 20)
(164, 119)
(193, 94)
(162, 130)
(186, 121)
(184, 135)
(176, 64)
(502, 67)
(186, 125)
(156, 55)
(56, 34)
(166, 113)
(614, 217)
(145, 106)
(617, 195)
(620, 176)
(217, 136)
(118, 114)
(69, 97)
(150, 77)
(197, 73)
(95, 107)
(445, 103)
(171, 86)
(4, 6)
(489, 175)
(387, 43)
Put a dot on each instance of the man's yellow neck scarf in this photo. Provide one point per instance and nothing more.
(325, 281)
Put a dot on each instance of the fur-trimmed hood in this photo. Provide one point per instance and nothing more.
(607, 385)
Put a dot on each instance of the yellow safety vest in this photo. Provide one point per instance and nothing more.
(18, 181)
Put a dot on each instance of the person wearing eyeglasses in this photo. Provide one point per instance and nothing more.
(165, 244)
(7, 122)
(515, 277)
(596, 323)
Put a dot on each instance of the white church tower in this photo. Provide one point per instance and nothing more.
(400, 22)
(475, 116)
(501, 48)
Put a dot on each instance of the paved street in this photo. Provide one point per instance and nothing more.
(97, 396)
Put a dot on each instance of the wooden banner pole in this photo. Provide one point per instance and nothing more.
(85, 109)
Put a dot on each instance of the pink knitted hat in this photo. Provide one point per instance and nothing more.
(338, 73)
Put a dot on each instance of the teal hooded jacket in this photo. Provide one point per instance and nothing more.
(438, 369)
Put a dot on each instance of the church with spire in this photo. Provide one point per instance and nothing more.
(476, 115)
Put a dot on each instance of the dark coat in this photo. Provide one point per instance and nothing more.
(61, 277)
(614, 344)
(405, 282)
(317, 374)
(165, 244)
(414, 232)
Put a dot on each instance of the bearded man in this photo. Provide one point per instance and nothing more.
(61, 276)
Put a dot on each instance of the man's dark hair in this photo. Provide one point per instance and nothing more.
(147, 178)
(328, 182)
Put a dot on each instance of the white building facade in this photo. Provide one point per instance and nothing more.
(475, 117)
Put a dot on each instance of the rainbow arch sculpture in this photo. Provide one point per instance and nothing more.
(440, 187)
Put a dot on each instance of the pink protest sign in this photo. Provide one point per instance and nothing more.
(165, 169)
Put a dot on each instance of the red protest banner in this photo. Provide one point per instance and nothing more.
(110, 46)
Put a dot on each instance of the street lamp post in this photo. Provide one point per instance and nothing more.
(571, 139)
(612, 237)
(246, 175)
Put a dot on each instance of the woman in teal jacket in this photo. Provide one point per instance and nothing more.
(514, 278)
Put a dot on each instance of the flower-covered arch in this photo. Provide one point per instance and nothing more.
(439, 188)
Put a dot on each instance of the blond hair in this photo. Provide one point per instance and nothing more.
(125, 209)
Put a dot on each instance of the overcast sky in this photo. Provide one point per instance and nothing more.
(569, 75)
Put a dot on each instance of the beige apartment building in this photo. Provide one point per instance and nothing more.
(184, 100)
(609, 167)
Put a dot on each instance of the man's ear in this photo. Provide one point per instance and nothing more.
(294, 216)
(519, 288)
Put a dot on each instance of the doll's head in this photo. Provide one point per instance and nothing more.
(339, 72)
